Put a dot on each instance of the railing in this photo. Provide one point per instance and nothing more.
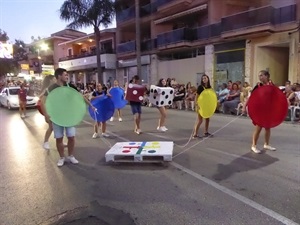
(284, 14)
(162, 2)
(260, 16)
(248, 19)
(175, 36)
(129, 13)
(148, 45)
(86, 54)
(126, 47)
(208, 31)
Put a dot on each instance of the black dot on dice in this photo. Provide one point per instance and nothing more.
(170, 102)
(154, 97)
(167, 96)
(163, 93)
(155, 91)
(157, 102)
(162, 102)
(171, 92)
(151, 90)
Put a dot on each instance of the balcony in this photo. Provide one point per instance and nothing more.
(128, 14)
(126, 47)
(261, 20)
(148, 45)
(167, 5)
(88, 61)
(208, 31)
(182, 36)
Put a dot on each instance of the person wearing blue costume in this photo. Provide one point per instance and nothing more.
(97, 94)
(116, 85)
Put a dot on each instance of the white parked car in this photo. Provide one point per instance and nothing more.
(9, 98)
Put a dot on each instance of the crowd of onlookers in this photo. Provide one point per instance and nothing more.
(231, 95)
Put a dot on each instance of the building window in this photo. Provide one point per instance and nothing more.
(70, 51)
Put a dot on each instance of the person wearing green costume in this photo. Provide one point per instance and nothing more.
(61, 76)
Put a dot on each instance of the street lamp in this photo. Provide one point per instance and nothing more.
(43, 47)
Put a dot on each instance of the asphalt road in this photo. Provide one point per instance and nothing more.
(210, 181)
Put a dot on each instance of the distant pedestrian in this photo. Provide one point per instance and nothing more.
(22, 95)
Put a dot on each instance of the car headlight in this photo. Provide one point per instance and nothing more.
(35, 98)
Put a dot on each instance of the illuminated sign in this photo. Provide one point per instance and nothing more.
(25, 66)
(6, 50)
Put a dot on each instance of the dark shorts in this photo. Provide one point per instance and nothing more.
(136, 108)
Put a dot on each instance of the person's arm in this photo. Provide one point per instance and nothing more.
(43, 108)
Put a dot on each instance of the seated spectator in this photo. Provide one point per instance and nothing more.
(290, 95)
(190, 98)
(222, 94)
(179, 97)
(232, 100)
(245, 94)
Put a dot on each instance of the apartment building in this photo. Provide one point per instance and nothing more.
(78, 56)
(44, 54)
(226, 39)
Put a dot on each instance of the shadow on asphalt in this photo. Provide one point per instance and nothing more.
(240, 165)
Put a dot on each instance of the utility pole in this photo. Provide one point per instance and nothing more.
(138, 37)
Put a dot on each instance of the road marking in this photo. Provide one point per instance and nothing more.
(225, 190)
(165, 137)
(237, 196)
(235, 155)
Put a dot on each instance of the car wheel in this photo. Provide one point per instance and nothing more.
(8, 105)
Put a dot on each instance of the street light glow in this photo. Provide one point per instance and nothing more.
(44, 46)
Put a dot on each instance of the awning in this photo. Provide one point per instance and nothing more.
(184, 13)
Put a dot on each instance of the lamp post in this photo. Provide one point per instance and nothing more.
(42, 47)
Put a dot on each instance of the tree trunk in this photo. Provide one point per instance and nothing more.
(138, 37)
(98, 52)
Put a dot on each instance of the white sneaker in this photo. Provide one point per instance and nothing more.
(138, 131)
(120, 120)
(162, 129)
(22, 116)
(72, 159)
(95, 135)
(61, 161)
(165, 128)
(105, 135)
(111, 119)
(269, 147)
(255, 150)
(46, 146)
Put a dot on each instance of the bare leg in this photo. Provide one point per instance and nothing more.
(137, 120)
(267, 136)
(206, 125)
(96, 125)
(197, 126)
(103, 127)
(60, 146)
(48, 132)
(256, 135)
(162, 119)
(119, 113)
(71, 145)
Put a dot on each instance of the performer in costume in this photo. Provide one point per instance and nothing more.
(47, 82)
(97, 94)
(61, 76)
(264, 78)
(205, 84)
(162, 109)
(136, 108)
(116, 85)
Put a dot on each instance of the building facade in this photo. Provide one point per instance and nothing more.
(78, 56)
(227, 40)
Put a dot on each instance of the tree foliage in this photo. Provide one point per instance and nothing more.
(86, 13)
(19, 54)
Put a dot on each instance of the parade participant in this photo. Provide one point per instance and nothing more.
(22, 95)
(205, 84)
(47, 82)
(61, 76)
(264, 78)
(97, 94)
(136, 108)
(116, 85)
(162, 109)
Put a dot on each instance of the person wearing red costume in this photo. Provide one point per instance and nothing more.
(264, 78)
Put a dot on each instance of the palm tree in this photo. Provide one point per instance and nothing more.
(85, 13)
